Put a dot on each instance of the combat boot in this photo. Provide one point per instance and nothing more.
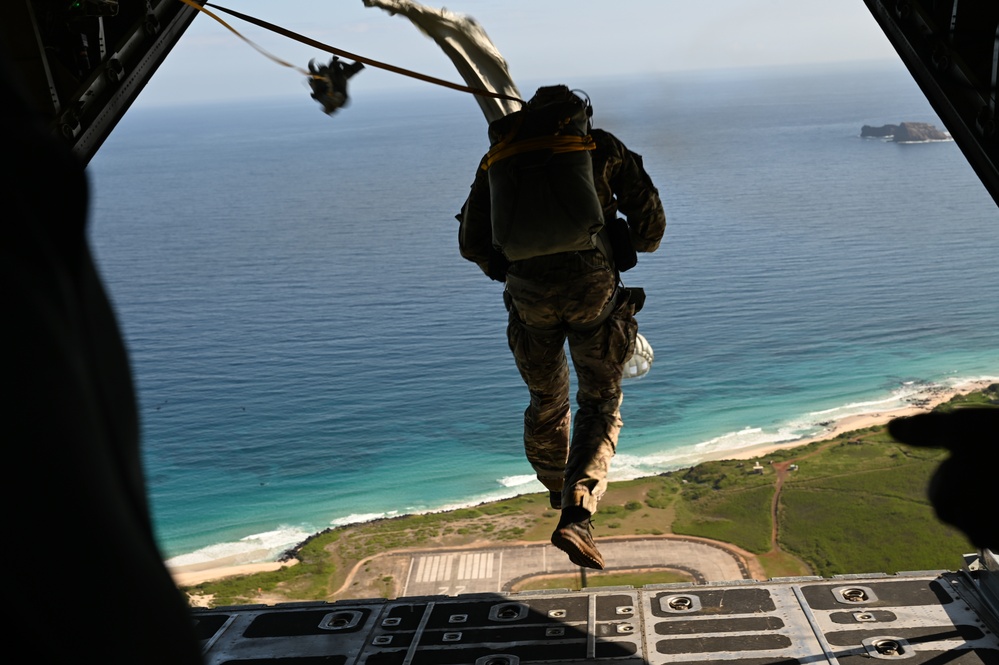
(572, 536)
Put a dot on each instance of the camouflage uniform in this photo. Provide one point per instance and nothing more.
(572, 296)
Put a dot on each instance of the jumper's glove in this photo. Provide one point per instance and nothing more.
(625, 257)
(498, 265)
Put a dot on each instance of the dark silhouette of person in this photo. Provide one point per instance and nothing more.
(963, 488)
(566, 287)
(84, 575)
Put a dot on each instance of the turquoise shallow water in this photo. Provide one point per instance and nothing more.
(310, 349)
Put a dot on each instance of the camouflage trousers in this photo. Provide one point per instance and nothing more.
(574, 297)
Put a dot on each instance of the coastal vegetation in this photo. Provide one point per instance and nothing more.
(852, 504)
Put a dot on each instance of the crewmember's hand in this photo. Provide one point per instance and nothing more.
(963, 489)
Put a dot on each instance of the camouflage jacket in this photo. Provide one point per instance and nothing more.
(622, 185)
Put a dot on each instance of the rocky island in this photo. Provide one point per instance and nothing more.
(906, 132)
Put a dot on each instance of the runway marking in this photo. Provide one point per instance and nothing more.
(477, 566)
(440, 567)
(434, 568)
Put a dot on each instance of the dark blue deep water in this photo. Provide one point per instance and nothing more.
(310, 349)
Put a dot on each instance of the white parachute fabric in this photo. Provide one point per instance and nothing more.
(463, 40)
(640, 362)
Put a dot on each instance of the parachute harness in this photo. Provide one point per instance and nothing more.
(556, 144)
(329, 82)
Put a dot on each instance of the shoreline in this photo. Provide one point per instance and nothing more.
(192, 574)
(935, 397)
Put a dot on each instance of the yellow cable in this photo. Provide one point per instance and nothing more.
(339, 53)
(273, 57)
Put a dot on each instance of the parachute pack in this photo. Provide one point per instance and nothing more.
(543, 200)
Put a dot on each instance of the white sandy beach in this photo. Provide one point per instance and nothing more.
(189, 576)
(198, 573)
(926, 402)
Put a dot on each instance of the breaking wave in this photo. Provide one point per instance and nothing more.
(516, 481)
(265, 546)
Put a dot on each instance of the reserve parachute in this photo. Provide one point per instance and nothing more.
(640, 362)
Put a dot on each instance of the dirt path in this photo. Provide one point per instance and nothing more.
(781, 470)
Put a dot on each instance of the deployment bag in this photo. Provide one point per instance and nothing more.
(542, 197)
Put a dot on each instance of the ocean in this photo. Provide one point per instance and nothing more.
(310, 349)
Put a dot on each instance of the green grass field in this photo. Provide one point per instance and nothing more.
(855, 504)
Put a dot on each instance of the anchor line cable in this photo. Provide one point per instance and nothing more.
(260, 49)
(335, 51)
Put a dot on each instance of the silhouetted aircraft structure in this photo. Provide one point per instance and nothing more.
(79, 65)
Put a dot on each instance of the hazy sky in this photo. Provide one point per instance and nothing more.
(541, 39)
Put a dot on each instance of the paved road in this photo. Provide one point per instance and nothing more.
(495, 569)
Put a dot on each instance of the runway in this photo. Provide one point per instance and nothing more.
(496, 569)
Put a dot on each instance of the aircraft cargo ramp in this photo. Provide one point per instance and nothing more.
(922, 617)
